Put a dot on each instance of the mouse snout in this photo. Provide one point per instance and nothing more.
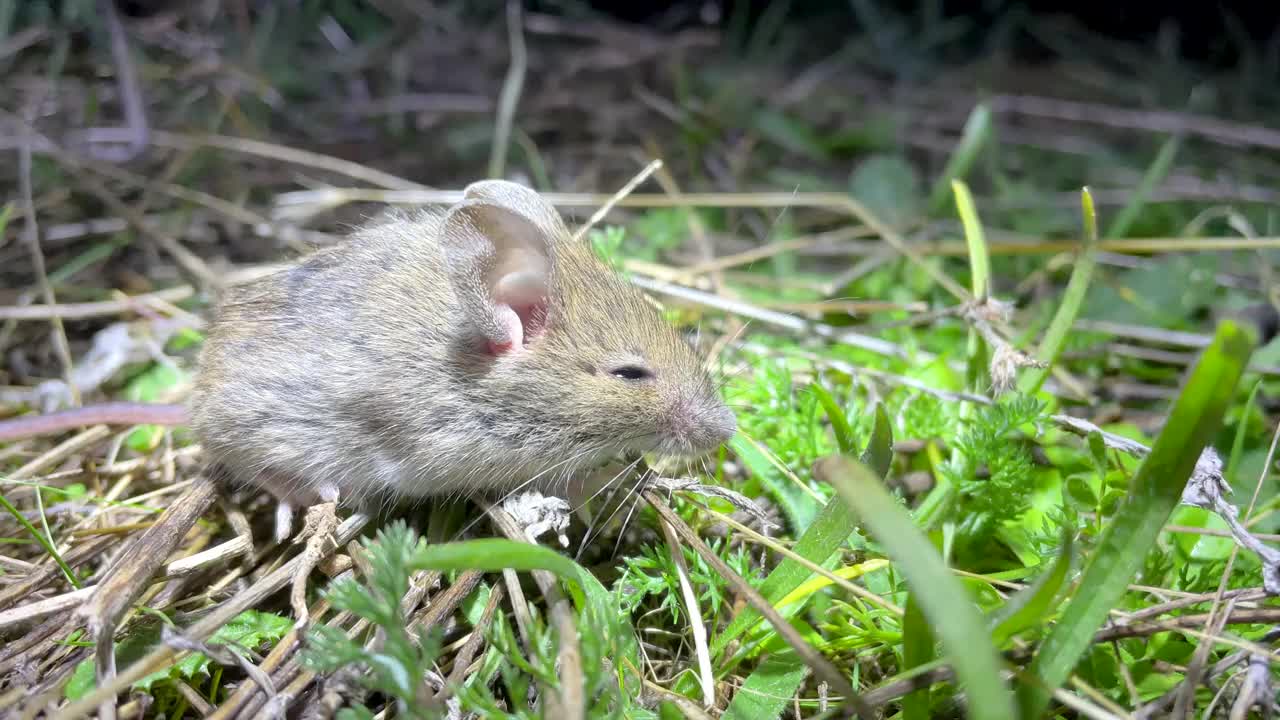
(723, 424)
(702, 424)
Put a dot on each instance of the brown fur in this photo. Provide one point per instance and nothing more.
(363, 371)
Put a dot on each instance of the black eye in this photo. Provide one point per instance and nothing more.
(631, 372)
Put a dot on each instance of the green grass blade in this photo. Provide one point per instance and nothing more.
(1237, 443)
(831, 527)
(954, 619)
(839, 421)
(917, 650)
(977, 132)
(1029, 606)
(768, 691)
(1155, 175)
(798, 506)
(1154, 493)
(1072, 300)
(493, 554)
(975, 238)
(45, 543)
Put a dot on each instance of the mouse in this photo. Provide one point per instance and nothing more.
(478, 349)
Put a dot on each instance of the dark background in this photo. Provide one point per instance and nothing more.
(1208, 32)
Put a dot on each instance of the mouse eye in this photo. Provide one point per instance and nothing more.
(631, 372)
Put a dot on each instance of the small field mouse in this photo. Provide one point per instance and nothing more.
(474, 350)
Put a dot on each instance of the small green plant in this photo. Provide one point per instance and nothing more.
(607, 243)
(400, 661)
(990, 441)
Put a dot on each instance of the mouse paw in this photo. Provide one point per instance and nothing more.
(284, 521)
(539, 514)
(317, 531)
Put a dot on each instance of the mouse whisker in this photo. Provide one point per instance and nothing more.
(633, 495)
(517, 489)
(595, 529)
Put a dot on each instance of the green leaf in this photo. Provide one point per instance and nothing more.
(797, 504)
(769, 689)
(493, 554)
(889, 186)
(839, 422)
(829, 530)
(977, 131)
(147, 386)
(1151, 180)
(1154, 492)
(917, 650)
(952, 615)
(790, 134)
(979, 256)
(1029, 606)
(1055, 337)
(250, 629)
(82, 680)
(1081, 493)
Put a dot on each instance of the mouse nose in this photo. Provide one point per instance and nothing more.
(724, 424)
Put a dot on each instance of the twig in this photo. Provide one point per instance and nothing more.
(821, 666)
(779, 319)
(571, 703)
(617, 197)
(162, 657)
(32, 233)
(81, 311)
(511, 88)
(1237, 616)
(331, 197)
(1148, 121)
(135, 112)
(462, 659)
(282, 153)
(705, 677)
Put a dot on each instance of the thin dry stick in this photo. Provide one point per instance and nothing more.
(189, 261)
(282, 153)
(462, 659)
(81, 311)
(165, 656)
(1148, 121)
(32, 233)
(813, 567)
(571, 701)
(617, 197)
(511, 88)
(705, 676)
(137, 128)
(1186, 698)
(808, 655)
(827, 201)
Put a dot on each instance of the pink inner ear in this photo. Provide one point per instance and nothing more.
(521, 324)
(513, 330)
(521, 308)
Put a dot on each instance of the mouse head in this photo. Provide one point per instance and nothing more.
(572, 351)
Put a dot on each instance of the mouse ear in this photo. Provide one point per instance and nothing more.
(499, 262)
(522, 201)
